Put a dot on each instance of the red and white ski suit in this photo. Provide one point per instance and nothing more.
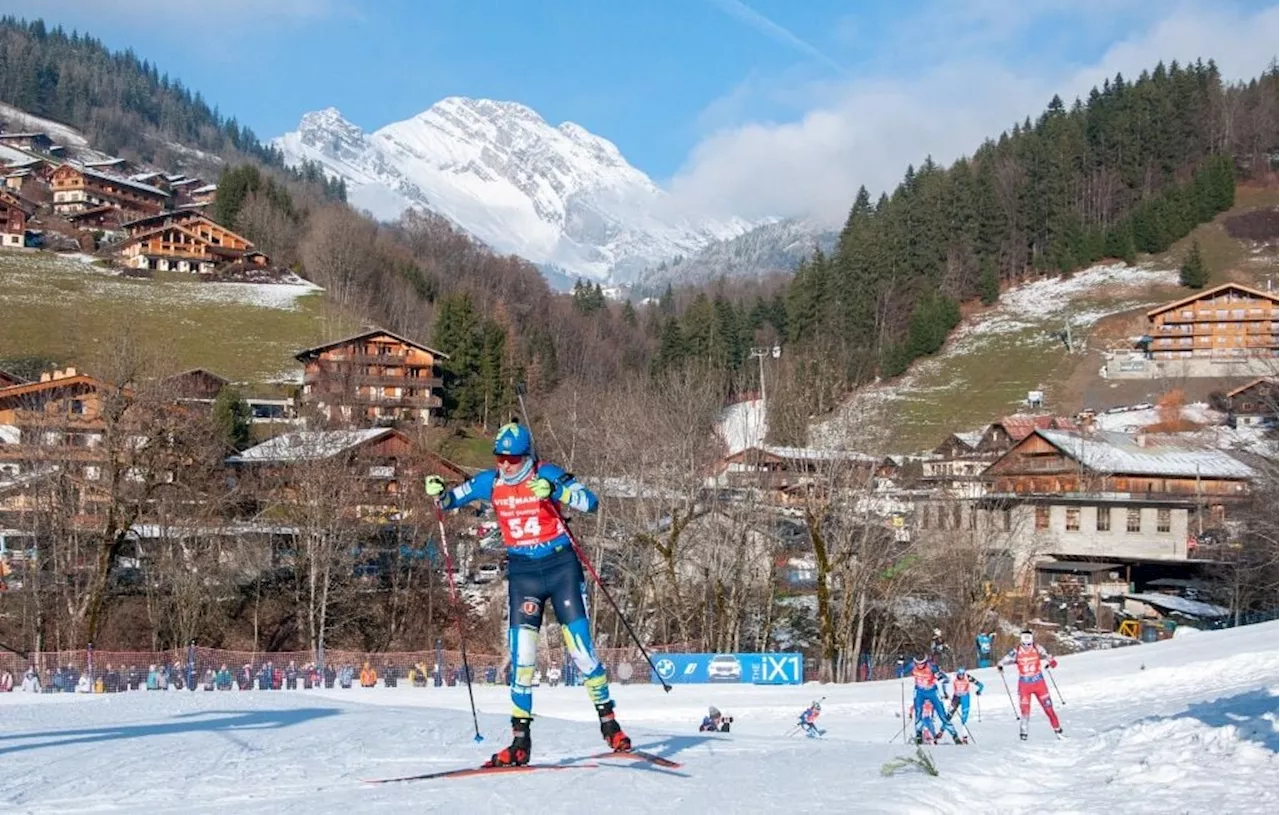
(1028, 658)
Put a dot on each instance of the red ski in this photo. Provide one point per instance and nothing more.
(469, 771)
(640, 755)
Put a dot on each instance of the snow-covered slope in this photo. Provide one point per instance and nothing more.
(1186, 725)
(777, 246)
(558, 196)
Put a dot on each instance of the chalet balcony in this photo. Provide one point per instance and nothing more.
(342, 379)
(1216, 316)
(415, 402)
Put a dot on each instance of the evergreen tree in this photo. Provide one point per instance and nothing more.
(231, 417)
(1193, 273)
(990, 285)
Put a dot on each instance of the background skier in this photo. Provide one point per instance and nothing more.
(1028, 656)
(927, 676)
(808, 719)
(960, 690)
(541, 566)
(985, 643)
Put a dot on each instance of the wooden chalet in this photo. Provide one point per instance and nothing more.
(14, 214)
(114, 166)
(77, 188)
(55, 420)
(374, 470)
(197, 384)
(1131, 499)
(1254, 403)
(104, 217)
(41, 142)
(1230, 321)
(1001, 436)
(184, 241)
(375, 377)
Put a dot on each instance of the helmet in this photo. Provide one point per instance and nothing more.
(1027, 638)
(817, 705)
(959, 671)
(513, 440)
(921, 660)
(713, 713)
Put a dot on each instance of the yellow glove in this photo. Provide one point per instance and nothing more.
(434, 485)
(541, 488)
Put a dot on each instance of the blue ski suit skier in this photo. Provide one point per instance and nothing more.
(960, 689)
(541, 566)
(927, 675)
(984, 643)
(807, 719)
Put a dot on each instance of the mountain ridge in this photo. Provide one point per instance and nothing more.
(559, 196)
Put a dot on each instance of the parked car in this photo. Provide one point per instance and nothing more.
(487, 573)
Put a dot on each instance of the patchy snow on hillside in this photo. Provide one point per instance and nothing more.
(60, 133)
(742, 425)
(1024, 317)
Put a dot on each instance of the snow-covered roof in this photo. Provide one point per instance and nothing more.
(308, 445)
(205, 188)
(114, 179)
(1192, 608)
(815, 454)
(970, 438)
(1108, 452)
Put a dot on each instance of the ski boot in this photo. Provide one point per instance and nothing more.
(1058, 732)
(1022, 736)
(517, 755)
(955, 737)
(610, 729)
(919, 739)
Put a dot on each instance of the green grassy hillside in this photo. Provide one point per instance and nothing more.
(1000, 353)
(63, 308)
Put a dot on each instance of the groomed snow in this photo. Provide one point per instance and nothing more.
(1186, 725)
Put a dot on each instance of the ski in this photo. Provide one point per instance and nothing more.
(640, 755)
(470, 771)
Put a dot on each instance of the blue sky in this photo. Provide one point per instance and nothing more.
(724, 101)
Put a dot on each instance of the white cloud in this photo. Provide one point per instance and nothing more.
(867, 130)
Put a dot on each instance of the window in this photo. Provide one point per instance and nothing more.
(1103, 524)
(77, 407)
(1073, 519)
(1163, 520)
(1042, 517)
(1133, 520)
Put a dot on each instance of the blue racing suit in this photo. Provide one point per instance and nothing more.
(984, 643)
(541, 565)
(927, 676)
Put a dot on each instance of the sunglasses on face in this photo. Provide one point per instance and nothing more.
(510, 461)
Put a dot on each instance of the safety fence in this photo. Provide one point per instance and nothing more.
(109, 671)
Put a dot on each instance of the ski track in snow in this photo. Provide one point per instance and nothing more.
(1186, 725)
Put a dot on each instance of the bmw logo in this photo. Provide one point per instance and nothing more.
(666, 668)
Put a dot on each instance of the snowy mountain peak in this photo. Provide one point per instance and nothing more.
(560, 196)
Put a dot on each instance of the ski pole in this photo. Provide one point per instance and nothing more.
(1055, 687)
(1005, 682)
(457, 614)
(977, 698)
(582, 556)
(903, 687)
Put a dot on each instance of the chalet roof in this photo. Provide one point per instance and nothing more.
(1210, 293)
(114, 179)
(27, 388)
(161, 217)
(89, 213)
(183, 182)
(144, 177)
(13, 377)
(310, 445)
(204, 371)
(16, 201)
(306, 353)
(213, 247)
(1247, 386)
(1019, 426)
(1119, 453)
(109, 162)
(970, 439)
(1170, 602)
(205, 188)
(26, 135)
(18, 174)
